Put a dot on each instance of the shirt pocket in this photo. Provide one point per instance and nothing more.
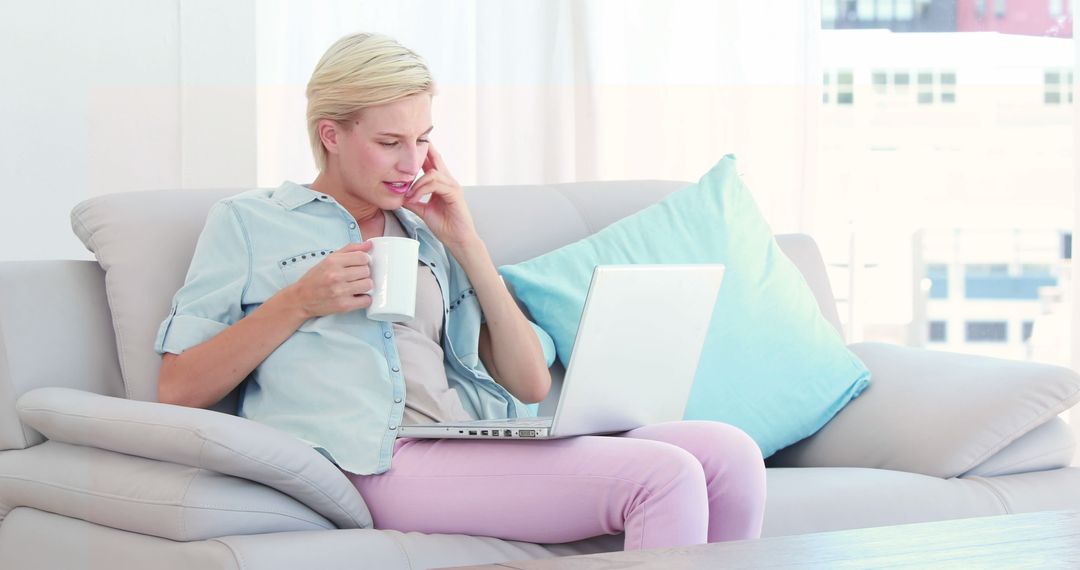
(294, 267)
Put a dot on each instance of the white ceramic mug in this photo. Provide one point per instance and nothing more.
(393, 270)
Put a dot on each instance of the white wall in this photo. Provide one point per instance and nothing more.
(117, 95)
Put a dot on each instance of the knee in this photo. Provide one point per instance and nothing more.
(674, 466)
(733, 446)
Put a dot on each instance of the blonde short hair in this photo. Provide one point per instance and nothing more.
(358, 71)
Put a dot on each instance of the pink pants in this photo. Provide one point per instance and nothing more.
(664, 485)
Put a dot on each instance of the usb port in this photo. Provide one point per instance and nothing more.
(526, 433)
(472, 432)
(483, 432)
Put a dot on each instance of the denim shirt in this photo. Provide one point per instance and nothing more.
(336, 382)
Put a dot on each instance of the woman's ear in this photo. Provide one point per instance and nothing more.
(328, 132)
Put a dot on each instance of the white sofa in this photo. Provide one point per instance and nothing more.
(94, 474)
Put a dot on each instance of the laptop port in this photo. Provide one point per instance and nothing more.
(484, 432)
(472, 432)
(526, 433)
(508, 433)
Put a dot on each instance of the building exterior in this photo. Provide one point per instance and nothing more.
(945, 189)
(1023, 17)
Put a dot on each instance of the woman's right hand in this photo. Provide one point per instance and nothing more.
(338, 284)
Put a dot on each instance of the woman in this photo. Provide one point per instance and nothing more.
(277, 291)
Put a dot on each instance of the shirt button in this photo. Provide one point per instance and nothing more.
(352, 225)
(397, 400)
(387, 334)
(393, 427)
(396, 369)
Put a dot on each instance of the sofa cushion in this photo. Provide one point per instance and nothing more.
(156, 498)
(1049, 446)
(772, 364)
(936, 413)
(198, 438)
(144, 241)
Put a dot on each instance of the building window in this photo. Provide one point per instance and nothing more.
(947, 79)
(905, 10)
(938, 330)
(828, 12)
(1052, 87)
(926, 87)
(865, 10)
(1055, 8)
(1028, 326)
(880, 81)
(826, 87)
(901, 80)
(938, 273)
(993, 281)
(845, 87)
(986, 331)
(884, 10)
(980, 8)
(999, 8)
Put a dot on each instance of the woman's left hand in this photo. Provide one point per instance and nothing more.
(445, 212)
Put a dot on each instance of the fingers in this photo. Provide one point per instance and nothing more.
(435, 158)
(356, 273)
(355, 246)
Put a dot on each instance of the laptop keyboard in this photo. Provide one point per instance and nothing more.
(516, 422)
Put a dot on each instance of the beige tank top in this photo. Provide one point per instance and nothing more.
(428, 396)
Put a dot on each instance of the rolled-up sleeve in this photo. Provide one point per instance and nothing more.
(546, 343)
(211, 298)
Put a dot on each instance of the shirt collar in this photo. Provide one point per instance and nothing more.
(292, 195)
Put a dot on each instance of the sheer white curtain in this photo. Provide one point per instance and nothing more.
(545, 91)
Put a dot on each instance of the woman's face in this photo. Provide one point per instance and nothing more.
(381, 146)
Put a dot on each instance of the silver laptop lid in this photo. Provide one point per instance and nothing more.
(637, 347)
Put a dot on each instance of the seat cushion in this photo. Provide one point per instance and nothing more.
(772, 364)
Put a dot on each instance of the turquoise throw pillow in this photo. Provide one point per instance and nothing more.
(772, 365)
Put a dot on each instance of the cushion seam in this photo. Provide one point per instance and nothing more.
(1026, 459)
(993, 491)
(236, 555)
(162, 503)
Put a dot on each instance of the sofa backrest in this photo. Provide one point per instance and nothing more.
(144, 242)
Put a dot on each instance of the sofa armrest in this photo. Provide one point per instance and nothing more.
(198, 438)
(935, 413)
(146, 496)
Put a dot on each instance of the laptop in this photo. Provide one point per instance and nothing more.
(635, 355)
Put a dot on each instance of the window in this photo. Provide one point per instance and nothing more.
(901, 79)
(947, 79)
(845, 87)
(1028, 326)
(885, 10)
(986, 331)
(993, 281)
(905, 9)
(828, 12)
(926, 87)
(880, 80)
(1052, 87)
(865, 10)
(826, 87)
(1055, 8)
(999, 8)
(938, 330)
(938, 273)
